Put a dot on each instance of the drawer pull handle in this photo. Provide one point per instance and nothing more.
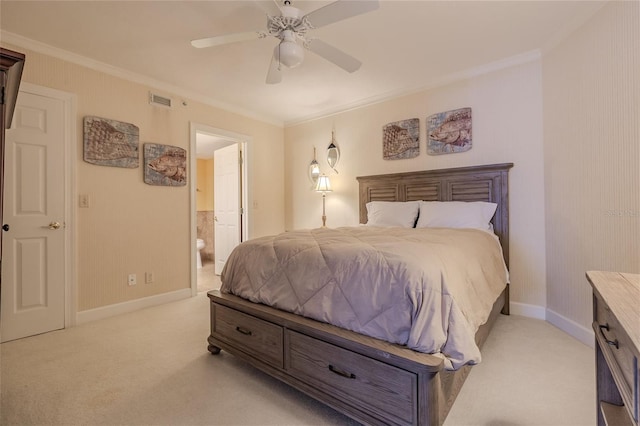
(341, 372)
(243, 331)
(609, 342)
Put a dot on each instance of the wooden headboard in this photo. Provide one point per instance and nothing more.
(477, 183)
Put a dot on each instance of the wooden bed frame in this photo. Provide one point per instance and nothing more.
(370, 380)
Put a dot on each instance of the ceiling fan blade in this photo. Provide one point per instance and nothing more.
(339, 10)
(224, 39)
(270, 7)
(333, 54)
(274, 76)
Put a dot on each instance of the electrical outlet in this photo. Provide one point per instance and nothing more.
(148, 277)
(132, 279)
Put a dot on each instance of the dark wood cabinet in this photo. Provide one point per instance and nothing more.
(11, 65)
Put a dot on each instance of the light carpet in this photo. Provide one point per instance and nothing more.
(151, 367)
(206, 277)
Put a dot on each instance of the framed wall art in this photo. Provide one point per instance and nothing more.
(401, 139)
(165, 165)
(449, 132)
(111, 143)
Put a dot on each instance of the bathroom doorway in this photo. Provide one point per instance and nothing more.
(209, 242)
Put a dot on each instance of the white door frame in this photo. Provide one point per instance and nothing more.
(247, 223)
(69, 101)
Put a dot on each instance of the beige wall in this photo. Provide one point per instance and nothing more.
(204, 193)
(507, 127)
(132, 227)
(592, 156)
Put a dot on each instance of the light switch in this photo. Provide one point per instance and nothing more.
(83, 201)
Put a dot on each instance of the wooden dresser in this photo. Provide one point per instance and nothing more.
(616, 314)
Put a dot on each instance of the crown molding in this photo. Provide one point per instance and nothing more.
(512, 61)
(45, 49)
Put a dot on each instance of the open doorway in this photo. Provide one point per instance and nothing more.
(219, 218)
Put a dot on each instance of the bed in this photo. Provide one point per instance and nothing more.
(369, 379)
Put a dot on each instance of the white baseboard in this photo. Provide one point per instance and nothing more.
(525, 310)
(570, 327)
(130, 306)
(585, 335)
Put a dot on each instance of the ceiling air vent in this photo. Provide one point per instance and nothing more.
(159, 100)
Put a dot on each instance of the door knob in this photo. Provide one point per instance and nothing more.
(5, 227)
(54, 225)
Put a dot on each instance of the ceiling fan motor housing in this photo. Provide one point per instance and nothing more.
(291, 19)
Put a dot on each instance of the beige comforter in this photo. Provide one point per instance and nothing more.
(427, 288)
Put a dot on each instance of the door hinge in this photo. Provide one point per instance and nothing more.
(241, 210)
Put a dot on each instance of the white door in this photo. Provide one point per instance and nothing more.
(33, 255)
(226, 202)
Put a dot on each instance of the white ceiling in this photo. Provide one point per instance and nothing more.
(404, 46)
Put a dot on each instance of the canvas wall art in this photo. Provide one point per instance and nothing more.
(449, 132)
(111, 143)
(165, 165)
(401, 139)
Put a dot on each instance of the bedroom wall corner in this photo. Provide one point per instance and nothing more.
(591, 93)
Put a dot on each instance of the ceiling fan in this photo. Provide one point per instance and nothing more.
(290, 26)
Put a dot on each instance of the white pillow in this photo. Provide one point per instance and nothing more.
(392, 213)
(456, 214)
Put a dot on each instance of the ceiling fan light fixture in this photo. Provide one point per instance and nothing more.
(288, 53)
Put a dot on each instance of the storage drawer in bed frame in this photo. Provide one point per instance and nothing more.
(249, 333)
(371, 384)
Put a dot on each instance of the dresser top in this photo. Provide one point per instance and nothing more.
(621, 293)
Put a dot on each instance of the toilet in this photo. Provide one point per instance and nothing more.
(199, 246)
